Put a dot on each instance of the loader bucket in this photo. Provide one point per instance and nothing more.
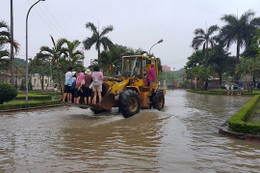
(108, 101)
(106, 104)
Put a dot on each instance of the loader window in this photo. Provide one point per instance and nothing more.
(132, 67)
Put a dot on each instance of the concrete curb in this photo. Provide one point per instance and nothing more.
(30, 108)
(223, 129)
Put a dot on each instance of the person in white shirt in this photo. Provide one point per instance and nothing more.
(67, 88)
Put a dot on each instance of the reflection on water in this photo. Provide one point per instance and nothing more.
(181, 138)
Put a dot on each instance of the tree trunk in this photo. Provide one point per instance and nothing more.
(220, 79)
(207, 55)
(98, 55)
(254, 82)
(42, 81)
(59, 80)
(206, 84)
(238, 51)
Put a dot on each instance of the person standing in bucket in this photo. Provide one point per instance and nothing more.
(67, 85)
(80, 82)
(87, 90)
(96, 85)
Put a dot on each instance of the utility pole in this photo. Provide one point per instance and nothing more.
(12, 40)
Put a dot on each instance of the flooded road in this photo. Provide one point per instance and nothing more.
(182, 138)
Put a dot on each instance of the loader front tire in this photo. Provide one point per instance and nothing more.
(158, 100)
(129, 103)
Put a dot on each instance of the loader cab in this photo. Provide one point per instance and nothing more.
(137, 65)
(132, 66)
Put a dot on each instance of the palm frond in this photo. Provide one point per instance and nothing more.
(53, 41)
(246, 16)
(107, 43)
(92, 27)
(230, 20)
(60, 43)
(3, 24)
(255, 22)
(89, 42)
(4, 53)
(76, 43)
(46, 49)
(106, 30)
(199, 31)
(197, 42)
(212, 29)
(5, 34)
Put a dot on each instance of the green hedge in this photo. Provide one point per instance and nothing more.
(19, 104)
(33, 97)
(238, 122)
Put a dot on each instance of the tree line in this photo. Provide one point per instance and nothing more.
(56, 59)
(214, 60)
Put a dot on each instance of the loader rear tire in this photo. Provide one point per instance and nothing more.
(158, 100)
(129, 103)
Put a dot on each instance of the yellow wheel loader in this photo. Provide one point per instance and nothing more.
(129, 92)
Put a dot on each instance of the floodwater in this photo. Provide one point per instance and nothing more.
(182, 138)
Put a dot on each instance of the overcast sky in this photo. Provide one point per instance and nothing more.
(137, 23)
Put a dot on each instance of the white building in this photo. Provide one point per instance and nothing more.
(37, 84)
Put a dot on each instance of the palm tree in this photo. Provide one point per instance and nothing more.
(204, 38)
(239, 30)
(54, 55)
(5, 38)
(98, 38)
(74, 57)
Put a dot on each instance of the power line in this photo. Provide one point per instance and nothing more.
(56, 21)
(45, 21)
(52, 24)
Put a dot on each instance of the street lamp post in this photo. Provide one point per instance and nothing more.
(26, 54)
(160, 41)
(12, 40)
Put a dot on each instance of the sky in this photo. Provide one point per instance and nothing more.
(137, 23)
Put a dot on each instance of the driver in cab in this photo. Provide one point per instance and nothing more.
(151, 75)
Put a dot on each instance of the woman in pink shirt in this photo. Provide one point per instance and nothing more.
(79, 86)
(151, 75)
(97, 77)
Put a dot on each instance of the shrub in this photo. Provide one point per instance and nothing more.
(238, 122)
(7, 92)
